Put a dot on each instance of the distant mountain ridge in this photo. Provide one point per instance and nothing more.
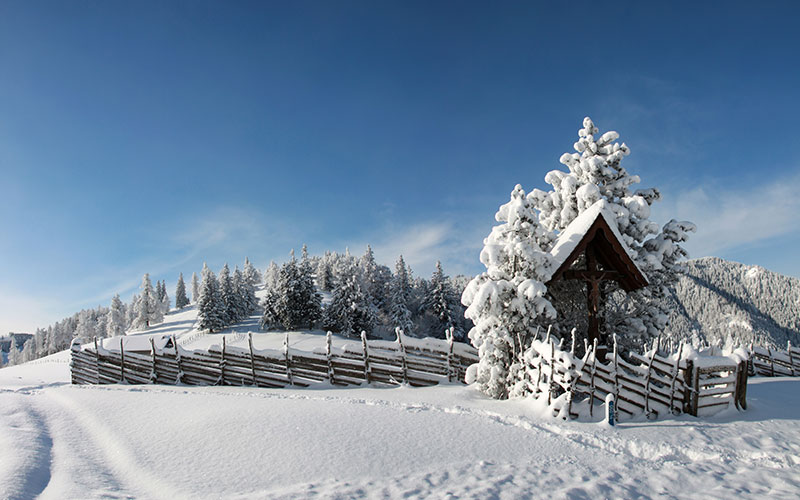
(727, 303)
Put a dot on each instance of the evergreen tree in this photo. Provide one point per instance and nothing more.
(86, 329)
(350, 312)
(242, 293)
(400, 297)
(148, 311)
(309, 301)
(251, 275)
(270, 318)
(115, 325)
(595, 172)
(440, 301)
(195, 288)
(210, 306)
(228, 295)
(325, 279)
(164, 301)
(506, 300)
(272, 275)
(181, 300)
(14, 355)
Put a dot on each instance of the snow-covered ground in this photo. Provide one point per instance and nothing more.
(62, 441)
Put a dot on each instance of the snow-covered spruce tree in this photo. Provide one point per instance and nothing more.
(506, 300)
(400, 297)
(210, 306)
(325, 280)
(241, 292)
(440, 302)
(251, 274)
(595, 172)
(115, 325)
(195, 288)
(148, 310)
(270, 317)
(228, 294)
(164, 298)
(310, 302)
(181, 300)
(271, 275)
(350, 311)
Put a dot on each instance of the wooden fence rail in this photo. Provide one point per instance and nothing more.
(649, 384)
(775, 363)
(418, 362)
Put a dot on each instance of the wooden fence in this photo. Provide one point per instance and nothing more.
(775, 363)
(418, 362)
(649, 384)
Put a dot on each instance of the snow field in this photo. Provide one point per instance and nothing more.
(448, 441)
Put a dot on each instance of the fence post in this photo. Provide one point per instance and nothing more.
(367, 377)
(121, 362)
(74, 347)
(572, 347)
(450, 369)
(97, 360)
(287, 359)
(616, 379)
(647, 379)
(328, 342)
(252, 357)
(552, 370)
(675, 369)
(153, 373)
(771, 363)
(688, 383)
(791, 361)
(591, 384)
(221, 380)
(399, 332)
(179, 380)
(742, 386)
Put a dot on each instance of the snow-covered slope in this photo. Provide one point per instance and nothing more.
(730, 303)
(64, 441)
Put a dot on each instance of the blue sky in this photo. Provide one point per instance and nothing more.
(152, 136)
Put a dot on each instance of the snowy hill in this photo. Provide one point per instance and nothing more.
(449, 441)
(725, 302)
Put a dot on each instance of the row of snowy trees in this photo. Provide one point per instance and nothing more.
(227, 299)
(510, 300)
(362, 295)
(144, 310)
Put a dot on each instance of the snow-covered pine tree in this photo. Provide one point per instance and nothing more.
(14, 356)
(115, 325)
(289, 303)
(350, 311)
(195, 288)
(271, 275)
(131, 312)
(251, 275)
(441, 302)
(164, 298)
(325, 280)
(210, 306)
(506, 300)
(147, 309)
(595, 172)
(181, 300)
(309, 301)
(270, 317)
(241, 291)
(228, 294)
(399, 297)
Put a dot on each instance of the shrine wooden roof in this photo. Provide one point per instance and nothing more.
(596, 229)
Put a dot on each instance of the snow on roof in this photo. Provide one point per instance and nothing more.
(571, 236)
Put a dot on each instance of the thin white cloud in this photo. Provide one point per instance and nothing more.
(732, 218)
